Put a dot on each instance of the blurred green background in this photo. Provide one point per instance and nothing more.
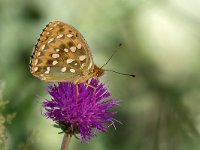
(160, 108)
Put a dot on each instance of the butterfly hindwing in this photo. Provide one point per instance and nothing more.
(61, 54)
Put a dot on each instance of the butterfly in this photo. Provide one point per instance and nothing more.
(62, 54)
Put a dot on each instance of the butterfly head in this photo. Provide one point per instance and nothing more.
(98, 71)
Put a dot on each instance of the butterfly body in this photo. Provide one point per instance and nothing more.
(62, 54)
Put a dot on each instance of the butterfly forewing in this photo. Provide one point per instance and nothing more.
(61, 54)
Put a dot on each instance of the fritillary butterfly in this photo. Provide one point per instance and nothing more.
(62, 54)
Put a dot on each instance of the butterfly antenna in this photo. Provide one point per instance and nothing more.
(126, 74)
(112, 55)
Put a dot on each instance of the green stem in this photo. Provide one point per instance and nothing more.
(65, 142)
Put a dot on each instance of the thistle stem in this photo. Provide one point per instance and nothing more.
(65, 142)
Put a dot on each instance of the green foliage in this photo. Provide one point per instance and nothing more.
(4, 119)
(29, 142)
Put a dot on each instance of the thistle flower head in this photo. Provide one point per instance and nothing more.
(80, 109)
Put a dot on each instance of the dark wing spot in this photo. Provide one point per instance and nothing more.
(62, 46)
(62, 29)
(49, 62)
(70, 44)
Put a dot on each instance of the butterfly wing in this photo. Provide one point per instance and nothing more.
(61, 54)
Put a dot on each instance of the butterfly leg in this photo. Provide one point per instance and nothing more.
(76, 94)
(93, 87)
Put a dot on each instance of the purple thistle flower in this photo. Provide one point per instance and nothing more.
(91, 110)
